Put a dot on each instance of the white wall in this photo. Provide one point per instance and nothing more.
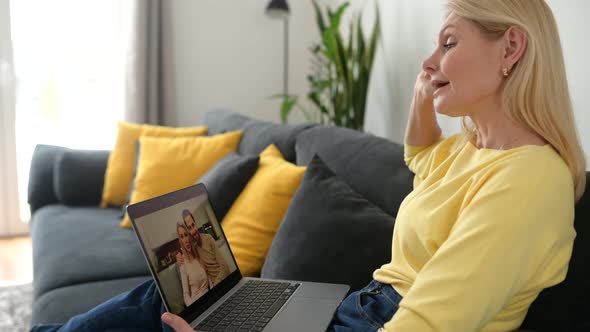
(409, 28)
(229, 53)
(574, 28)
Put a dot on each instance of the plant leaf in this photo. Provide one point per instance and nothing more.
(375, 37)
(360, 40)
(350, 41)
(335, 17)
(287, 106)
(319, 18)
(277, 96)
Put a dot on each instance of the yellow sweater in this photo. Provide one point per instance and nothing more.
(479, 237)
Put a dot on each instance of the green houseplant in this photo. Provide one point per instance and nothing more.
(340, 72)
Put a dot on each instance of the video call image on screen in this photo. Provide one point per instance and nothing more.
(186, 249)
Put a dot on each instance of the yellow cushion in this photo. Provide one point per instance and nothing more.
(253, 220)
(167, 164)
(121, 164)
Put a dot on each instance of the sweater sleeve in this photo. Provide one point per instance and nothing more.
(421, 160)
(186, 291)
(511, 237)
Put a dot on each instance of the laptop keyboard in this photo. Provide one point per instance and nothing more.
(250, 308)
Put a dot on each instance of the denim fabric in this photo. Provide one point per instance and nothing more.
(137, 310)
(141, 308)
(367, 309)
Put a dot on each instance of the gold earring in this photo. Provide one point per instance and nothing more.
(505, 71)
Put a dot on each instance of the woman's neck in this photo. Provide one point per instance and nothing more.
(494, 130)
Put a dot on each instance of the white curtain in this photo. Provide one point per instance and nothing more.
(10, 221)
(148, 90)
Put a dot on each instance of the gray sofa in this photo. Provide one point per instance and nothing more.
(82, 257)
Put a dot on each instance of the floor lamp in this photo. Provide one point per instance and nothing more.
(279, 9)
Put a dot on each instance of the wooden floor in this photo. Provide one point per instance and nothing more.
(16, 260)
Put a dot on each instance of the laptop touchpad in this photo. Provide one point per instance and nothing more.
(304, 314)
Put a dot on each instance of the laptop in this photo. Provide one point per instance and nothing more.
(198, 278)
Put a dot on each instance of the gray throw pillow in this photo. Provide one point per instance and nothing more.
(226, 180)
(330, 233)
(78, 176)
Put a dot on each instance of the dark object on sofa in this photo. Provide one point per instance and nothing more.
(82, 257)
(67, 166)
(566, 306)
(226, 179)
(341, 228)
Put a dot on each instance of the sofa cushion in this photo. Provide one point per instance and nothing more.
(59, 305)
(372, 166)
(226, 180)
(78, 176)
(565, 306)
(330, 233)
(257, 134)
(73, 245)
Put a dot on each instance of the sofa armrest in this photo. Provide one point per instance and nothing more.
(40, 191)
(78, 177)
(66, 176)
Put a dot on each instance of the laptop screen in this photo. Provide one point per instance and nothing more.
(186, 249)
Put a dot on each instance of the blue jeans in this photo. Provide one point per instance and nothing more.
(141, 308)
(137, 310)
(367, 309)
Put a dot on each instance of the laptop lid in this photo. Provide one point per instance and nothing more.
(186, 250)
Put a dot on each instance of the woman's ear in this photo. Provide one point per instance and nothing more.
(515, 43)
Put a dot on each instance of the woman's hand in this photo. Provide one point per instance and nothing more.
(422, 128)
(176, 322)
(423, 91)
(179, 259)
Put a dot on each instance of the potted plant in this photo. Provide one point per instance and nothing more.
(340, 73)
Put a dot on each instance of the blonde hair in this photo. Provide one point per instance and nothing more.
(194, 251)
(536, 93)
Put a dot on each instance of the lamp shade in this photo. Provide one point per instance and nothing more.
(277, 9)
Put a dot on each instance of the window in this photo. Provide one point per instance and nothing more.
(69, 66)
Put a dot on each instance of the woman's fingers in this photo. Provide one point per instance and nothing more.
(423, 91)
(176, 322)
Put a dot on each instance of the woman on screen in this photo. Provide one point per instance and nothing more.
(193, 275)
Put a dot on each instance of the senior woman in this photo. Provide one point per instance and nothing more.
(489, 223)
